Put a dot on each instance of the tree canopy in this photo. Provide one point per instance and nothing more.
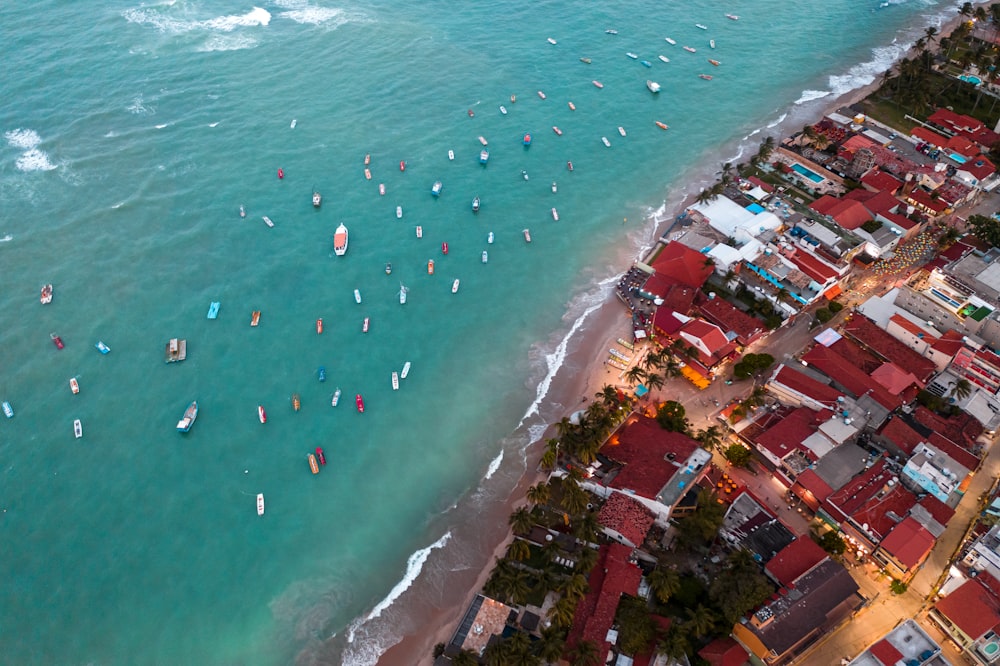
(750, 364)
(740, 587)
(672, 416)
(986, 229)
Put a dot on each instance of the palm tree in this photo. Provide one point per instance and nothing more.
(585, 560)
(710, 437)
(655, 381)
(961, 390)
(521, 521)
(635, 374)
(562, 612)
(585, 654)
(549, 458)
(576, 586)
(574, 499)
(930, 34)
(519, 550)
(550, 646)
(704, 196)
(609, 396)
(701, 621)
(539, 493)
(675, 643)
(465, 658)
(585, 527)
(517, 651)
(664, 583)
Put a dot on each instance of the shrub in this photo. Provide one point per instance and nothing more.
(871, 226)
(835, 306)
(824, 315)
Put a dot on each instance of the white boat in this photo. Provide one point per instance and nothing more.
(700, 26)
(406, 370)
(527, 235)
(74, 385)
(541, 94)
(46, 296)
(436, 188)
(268, 221)
(77, 429)
(451, 154)
(732, 17)
(336, 397)
(294, 123)
(621, 130)
(555, 215)
(610, 31)
(503, 109)
(486, 256)
(399, 212)
(711, 43)
(605, 141)
(340, 239)
(689, 49)
(669, 41)
(551, 41)
(555, 188)
(317, 199)
(653, 86)
(8, 411)
(190, 415)
(395, 381)
(484, 156)
(663, 58)
(454, 286)
(489, 238)
(524, 174)
(632, 55)
(357, 296)
(381, 189)
(243, 211)
(420, 232)
(260, 504)
(364, 325)
(402, 293)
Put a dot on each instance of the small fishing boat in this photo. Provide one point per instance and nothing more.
(261, 414)
(255, 318)
(381, 189)
(484, 156)
(714, 62)
(597, 84)
(551, 41)
(605, 141)
(317, 199)
(260, 504)
(364, 325)
(368, 174)
(585, 60)
(320, 455)
(503, 110)
(690, 49)
(359, 402)
(402, 165)
(444, 248)
(541, 94)
(8, 411)
(610, 31)
(631, 55)
(663, 58)
(176, 351)
(700, 26)
(46, 294)
(486, 256)
(669, 41)
(77, 428)
(572, 106)
(430, 267)
(319, 326)
(395, 381)
(281, 174)
(101, 347)
(555, 187)
(526, 140)
(557, 130)
(527, 235)
(340, 240)
(707, 77)
(190, 416)
(268, 221)
(56, 340)
(645, 63)
(403, 290)
(475, 205)
(711, 43)
(451, 154)
(661, 125)
(621, 130)
(368, 159)
(213, 309)
(513, 98)
(293, 123)
(313, 467)
(243, 211)
(471, 113)
(489, 238)
(524, 174)
(74, 385)
(420, 232)
(555, 215)
(569, 166)
(321, 372)
(732, 17)
(357, 296)
(296, 402)
(399, 212)
(388, 268)
(454, 286)
(483, 141)
(436, 189)
(653, 86)
(406, 370)
(336, 398)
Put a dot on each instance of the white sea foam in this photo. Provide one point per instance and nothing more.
(138, 107)
(228, 43)
(810, 95)
(494, 465)
(166, 23)
(6, 239)
(778, 121)
(215, 124)
(31, 158)
(161, 126)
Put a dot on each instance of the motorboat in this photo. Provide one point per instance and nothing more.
(74, 385)
(527, 235)
(101, 347)
(572, 106)
(336, 398)
(541, 94)
(645, 63)
(669, 41)
(403, 290)
(621, 130)
(176, 350)
(526, 140)
(513, 98)
(368, 174)
(268, 221)
(714, 62)
(610, 31)
(732, 17)
(430, 267)
(689, 49)
(319, 326)
(395, 381)
(524, 174)
(321, 372)
(663, 58)
(631, 55)
(486, 256)
(399, 212)
(381, 189)
(281, 174)
(213, 309)
(261, 414)
(260, 504)
(451, 154)
(569, 165)
(368, 159)
(489, 238)
(190, 416)
(357, 296)
(555, 215)
(597, 84)
(700, 26)
(77, 428)
(402, 165)
(8, 411)
(484, 156)
(551, 41)
(317, 199)
(483, 141)
(472, 114)
(388, 268)
(653, 86)
(420, 232)
(711, 43)
(406, 370)
(340, 239)
(557, 130)
(586, 60)
(444, 248)
(296, 402)
(243, 211)
(605, 141)
(661, 125)
(503, 110)
(46, 294)
(313, 467)
(454, 286)
(56, 340)
(475, 205)
(359, 402)
(436, 189)
(555, 187)
(255, 318)
(707, 77)
(364, 325)
(320, 455)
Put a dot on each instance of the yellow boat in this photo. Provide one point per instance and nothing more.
(313, 465)
(296, 402)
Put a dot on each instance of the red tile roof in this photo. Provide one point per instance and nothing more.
(867, 332)
(788, 434)
(927, 136)
(856, 143)
(950, 343)
(894, 378)
(850, 377)
(815, 268)
(962, 429)
(857, 491)
(883, 510)
(962, 146)
(919, 196)
(767, 187)
(972, 608)
(611, 577)
(665, 323)
(913, 329)
(880, 181)
(642, 448)
(961, 456)
(627, 516)
(679, 298)
(980, 167)
(848, 213)
(724, 652)
(717, 345)
(728, 317)
(881, 203)
(940, 511)
(794, 560)
(800, 383)
(856, 355)
(908, 543)
(680, 264)
(886, 653)
(811, 481)
(897, 431)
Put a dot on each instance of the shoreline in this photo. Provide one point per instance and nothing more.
(589, 349)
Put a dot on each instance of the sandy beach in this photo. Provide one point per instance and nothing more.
(583, 375)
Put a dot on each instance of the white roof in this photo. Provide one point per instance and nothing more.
(729, 218)
(839, 118)
(758, 193)
(818, 444)
(725, 255)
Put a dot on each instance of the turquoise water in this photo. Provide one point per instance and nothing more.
(133, 133)
(808, 173)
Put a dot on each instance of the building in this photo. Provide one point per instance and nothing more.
(625, 519)
(907, 643)
(736, 324)
(794, 560)
(970, 616)
(905, 549)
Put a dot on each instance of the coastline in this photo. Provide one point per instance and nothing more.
(589, 349)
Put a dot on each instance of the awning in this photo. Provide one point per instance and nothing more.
(833, 292)
(640, 390)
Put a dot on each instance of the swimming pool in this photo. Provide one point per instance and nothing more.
(811, 175)
(968, 78)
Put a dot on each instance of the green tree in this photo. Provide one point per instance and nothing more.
(521, 520)
(672, 416)
(539, 493)
(750, 364)
(738, 455)
(551, 644)
(701, 620)
(823, 315)
(635, 374)
(710, 437)
(740, 587)
(832, 543)
(465, 658)
(664, 583)
(985, 229)
(574, 499)
(576, 586)
(636, 629)
(898, 587)
(585, 560)
(675, 643)
(585, 654)
(704, 522)
(961, 390)
(519, 550)
(561, 613)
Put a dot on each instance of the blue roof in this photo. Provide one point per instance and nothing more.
(755, 208)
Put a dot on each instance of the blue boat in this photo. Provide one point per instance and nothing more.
(527, 139)
(213, 310)
(190, 415)
(484, 156)
(646, 63)
(8, 411)
(101, 347)
(436, 189)
(322, 373)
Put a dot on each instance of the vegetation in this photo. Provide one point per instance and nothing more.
(832, 543)
(871, 226)
(738, 455)
(739, 588)
(584, 438)
(636, 629)
(898, 587)
(835, 306)
(671, 416)
(986, 229)
(824, 315)
(701, 527)
(961, 390)
(751, 364)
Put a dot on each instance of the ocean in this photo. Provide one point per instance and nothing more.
(133, 132)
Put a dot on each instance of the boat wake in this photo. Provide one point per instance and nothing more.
(301, 11)
(6, 239)
(164, 22)
(494, 465)
(31, 157)
(138, 107)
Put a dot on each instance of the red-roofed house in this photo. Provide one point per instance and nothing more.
(905, 549)
(821, 272)
(966, 126)
(871, 522)
(840, 505)
(793, 560)
(724, 652)
(898, 436)
(711, 342)
(625, 519)
(962, 146)
(848, 213)
(924, 202)
(886, 653)
(811, 489)
(666, 322)
(853, 379)
(786, 436)
(970, 612)
(887, 347)
(729, 318)
(677, 263)
(894, 378)
(767, 187)
(933, 138)
(974, 171)
(881, 181)
(612, 576)
(794, 388)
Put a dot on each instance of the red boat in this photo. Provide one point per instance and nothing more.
(471, 113)
(359, 401)
(261, 414)
(322, 458)
(444, 248)
(281, 173)
(569, 165)
(319, 325)
(402, 165)
(56, 340)
(526, 140)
